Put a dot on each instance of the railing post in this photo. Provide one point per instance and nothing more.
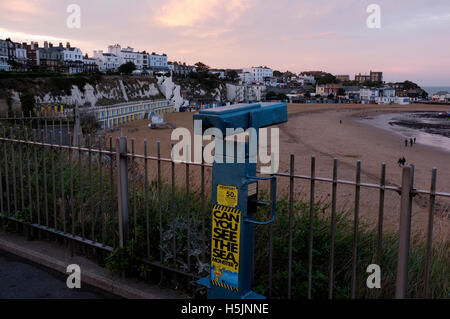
(404, 232)
(122, 190)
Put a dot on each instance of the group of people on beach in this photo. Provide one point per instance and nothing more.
(402, 161)
(411, 142)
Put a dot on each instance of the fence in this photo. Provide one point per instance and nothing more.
(101, 194)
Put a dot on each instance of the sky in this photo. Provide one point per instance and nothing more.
(412, 42)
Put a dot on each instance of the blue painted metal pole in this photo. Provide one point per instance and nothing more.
(235, 199)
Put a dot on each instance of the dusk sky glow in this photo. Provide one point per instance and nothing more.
(296, 35)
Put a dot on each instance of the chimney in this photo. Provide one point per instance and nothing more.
(68, 45)
(50, 45)
(46, 44)
(60, 44)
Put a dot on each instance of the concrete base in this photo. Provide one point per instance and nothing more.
(53, 256)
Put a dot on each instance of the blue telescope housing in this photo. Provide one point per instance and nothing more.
(235, 201)
(243, 116)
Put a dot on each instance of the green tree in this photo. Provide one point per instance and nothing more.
(127, 68)
(232, 76)
(277, 74)
(271, 96)
(28, 102)
(326, 79)
(201, 67)
(15, 65)
(282, 97)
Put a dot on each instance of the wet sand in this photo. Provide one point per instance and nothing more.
(315, 129)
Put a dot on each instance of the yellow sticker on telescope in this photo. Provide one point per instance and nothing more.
(226, 238)
(227, 195)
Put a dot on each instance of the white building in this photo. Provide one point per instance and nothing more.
(180, 68)
(107, 61)
(90, 65)
(369, 95)
(72, 54)
(441, 97)
(4, 56)
(306, 80)
(20, 53)
(246, 77)
(128, 55)
(259, 74)
(402, 100)
(158, 62)
(386, 96)
(73, 59)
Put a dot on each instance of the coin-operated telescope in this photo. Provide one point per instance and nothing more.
(235, 198)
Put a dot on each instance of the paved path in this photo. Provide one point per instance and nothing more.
(19, 279)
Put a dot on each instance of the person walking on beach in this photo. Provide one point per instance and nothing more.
(406, 142)
(414, 140)
(411, 141)
(403, 161)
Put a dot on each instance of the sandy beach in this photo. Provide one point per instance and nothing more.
(315, 129)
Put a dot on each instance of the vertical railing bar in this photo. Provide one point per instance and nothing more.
(8, 204)
(188, 208)
(401, 289)
(203, 206)
(158, 144)
(355, 229)
(13, 170)
(22, 199)
(311, 224)
(174, 213)
(147, 217)
(44, 164)
(291, 220)
(29, 177)
(333, 229)
(111, 181)
(71, 200)
(122, 186)
(133, 181)
(100, 168)
(45, 130)
(61, 167)
(55, 223)
(38, 208)
(80, 195)
(430, 232)
(91, 189)
(380, 214)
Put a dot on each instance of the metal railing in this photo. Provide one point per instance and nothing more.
(104, 196)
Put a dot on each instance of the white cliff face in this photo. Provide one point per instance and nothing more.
(124, 92)
(103, 93)
(172, 92)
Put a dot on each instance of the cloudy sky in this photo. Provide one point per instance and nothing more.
(296, 35)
